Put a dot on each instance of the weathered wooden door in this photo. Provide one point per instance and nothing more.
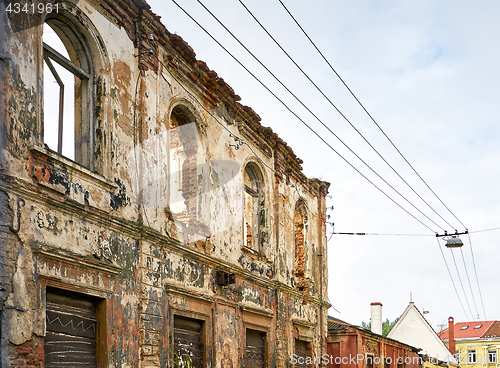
(255, 352)
(70, 339)
(188, 343)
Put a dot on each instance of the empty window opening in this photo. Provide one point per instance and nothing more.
(68, 92)
(254, 217)
(59, 98)
(184, 141)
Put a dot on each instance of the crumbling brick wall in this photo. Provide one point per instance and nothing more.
(103, 230)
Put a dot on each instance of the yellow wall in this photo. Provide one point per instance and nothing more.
(481, 347)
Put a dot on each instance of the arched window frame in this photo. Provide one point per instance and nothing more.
(253, 208)
(192, 225)
(81, 63)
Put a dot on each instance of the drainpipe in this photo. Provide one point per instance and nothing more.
(451, 336)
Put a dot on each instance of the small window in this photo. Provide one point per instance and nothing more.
(465, 327)
(68, 91)
(478, 326)
(492, 356)
(472, 356)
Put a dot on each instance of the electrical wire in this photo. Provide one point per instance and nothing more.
(313, 114)
(381, 234)
(461, 284)
(371, 117)
(480, 231)
(453, 282)
(477, 279)
(330, 145)
(468, 279)
(341, 114)
(303, 122)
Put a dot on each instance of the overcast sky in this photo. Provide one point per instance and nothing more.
(428, 72)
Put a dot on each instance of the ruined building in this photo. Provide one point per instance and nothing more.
(155, 222)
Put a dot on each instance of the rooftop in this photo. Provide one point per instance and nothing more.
(470, 330)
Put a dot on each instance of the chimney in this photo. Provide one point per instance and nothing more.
(451, 336)
(376, 318)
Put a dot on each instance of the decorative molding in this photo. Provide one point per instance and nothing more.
(56, 254)
(174, 289)
(260, 311)
(303, 323)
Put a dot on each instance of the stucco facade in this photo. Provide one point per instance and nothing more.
(178, 216)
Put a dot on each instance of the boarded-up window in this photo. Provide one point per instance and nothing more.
(255, 349)
(301, 353)
(70, 339)
(188, 342)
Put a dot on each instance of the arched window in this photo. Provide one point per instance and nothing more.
(300, 241)
(68, 90)
(188, 177)
(254, 216)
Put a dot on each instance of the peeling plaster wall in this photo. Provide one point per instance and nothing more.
(112, 232)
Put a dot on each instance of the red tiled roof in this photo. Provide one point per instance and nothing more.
(494, 330)
(474, 329)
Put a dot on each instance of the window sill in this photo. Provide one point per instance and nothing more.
(65, 177)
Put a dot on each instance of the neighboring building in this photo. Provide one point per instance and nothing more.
(412, 328)
(175, 231)
(351, 346)
(477, 343)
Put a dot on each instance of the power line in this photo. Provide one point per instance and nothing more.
(312, 130)
(371, 117)
(461, 284)
(286, 106)
(392, 143)
(381, 234)
(475, 272)
(468, 279)
(453, 282)
(340, 112)
(480, 231)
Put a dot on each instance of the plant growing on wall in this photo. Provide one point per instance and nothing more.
(183, 359)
